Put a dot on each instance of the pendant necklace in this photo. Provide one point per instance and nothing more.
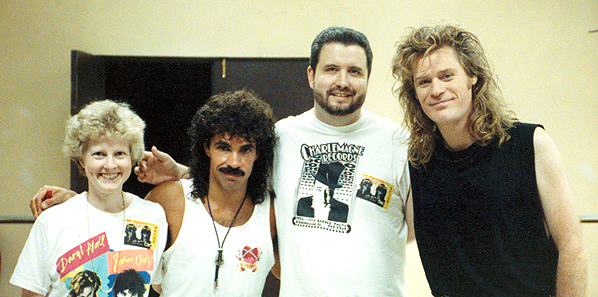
(219, 261)
(121, 238)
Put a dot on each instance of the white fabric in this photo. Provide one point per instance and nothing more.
(189, 263)
(60, 239)
(366, 255)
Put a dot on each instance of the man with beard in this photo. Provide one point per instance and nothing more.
(370, 147)
(337, 130)
(323, 257)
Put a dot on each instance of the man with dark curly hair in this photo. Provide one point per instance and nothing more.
(322, 157)
(232, 148)
(220, 221)
(128, 283)
(328, 232)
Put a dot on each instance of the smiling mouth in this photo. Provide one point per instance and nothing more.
(441, 102)
(341, 95)
(109, 176)
(344, 93)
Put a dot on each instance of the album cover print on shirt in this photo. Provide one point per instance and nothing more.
(324, 198)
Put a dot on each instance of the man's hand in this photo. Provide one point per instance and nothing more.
(48, 196)
(157, 167)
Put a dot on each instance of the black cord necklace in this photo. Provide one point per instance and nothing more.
(219, 261)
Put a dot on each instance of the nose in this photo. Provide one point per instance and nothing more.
(109, 163)
(234, 160)
(437, 87)
(342, 79)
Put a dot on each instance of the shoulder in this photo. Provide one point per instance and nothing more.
(66, 208)
(383, 123)
(526, 130)
(149, 207)
(292, 121)
(169, 195)
(543, 144)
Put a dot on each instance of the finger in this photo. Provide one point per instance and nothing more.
(160, 156)
(146, 155)
(141, 177)
(33, 207)
(48, 203)
(36, 202)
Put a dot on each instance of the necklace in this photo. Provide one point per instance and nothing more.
(121, 240)
(219, 261)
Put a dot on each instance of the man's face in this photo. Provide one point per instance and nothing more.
(340, 79)
(321, 194)
(443, 88)
(231, 161)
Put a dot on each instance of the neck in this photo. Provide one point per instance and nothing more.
(456, 137)
(226, 198)
(108, 202)
(225, 204)
(336, 120)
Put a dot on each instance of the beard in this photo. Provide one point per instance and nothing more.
(339, 110)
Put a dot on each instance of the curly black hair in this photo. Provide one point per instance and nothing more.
(242, 114)
(129, 280)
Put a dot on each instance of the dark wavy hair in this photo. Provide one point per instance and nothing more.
(129, 280)
(490, 117)
(242, 114)
(344, 36)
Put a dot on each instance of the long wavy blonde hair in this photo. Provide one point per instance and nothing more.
(490, 116)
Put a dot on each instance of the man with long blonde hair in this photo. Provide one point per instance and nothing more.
(492, 210)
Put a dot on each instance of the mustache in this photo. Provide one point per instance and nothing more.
(344, 90)
(230, 170)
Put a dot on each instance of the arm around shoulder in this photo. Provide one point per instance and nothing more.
(171, 197)
(561, 216)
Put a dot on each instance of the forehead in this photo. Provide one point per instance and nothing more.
(108, 141)
(230, 139)
(442, 59)
(341, 54)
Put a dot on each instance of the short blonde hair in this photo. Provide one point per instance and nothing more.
(104, 118)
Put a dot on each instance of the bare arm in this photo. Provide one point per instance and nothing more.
(27, 293)
(561, 217)
(157, 167)
(409, 218)
(48, 196)
(276, 268)
(171, 197)
(157, 288)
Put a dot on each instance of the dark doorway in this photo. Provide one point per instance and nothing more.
(166, 92)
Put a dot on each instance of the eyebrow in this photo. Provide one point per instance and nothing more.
(442, 71)
(249, 145)
(220, 142)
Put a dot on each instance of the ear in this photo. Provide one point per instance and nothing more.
(473, 80)
(310, 76)
(206, 149)
(80, 160)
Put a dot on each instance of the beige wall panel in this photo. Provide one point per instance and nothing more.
(543, 54)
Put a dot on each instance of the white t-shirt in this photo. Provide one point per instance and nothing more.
(74, 244)
(340, 198)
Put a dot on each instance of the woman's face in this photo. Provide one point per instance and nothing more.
(107, 164)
